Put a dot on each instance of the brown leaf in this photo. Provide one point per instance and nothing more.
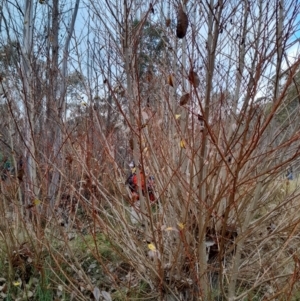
(200, 117)
(20, 174)
(151, 8)
(170, 80)
(29, 206)
(168, 22)
(194, 78)
(3, 288)
(69, 158)
(184, 99)
(149, 76)
(131, 143)
(182, 23)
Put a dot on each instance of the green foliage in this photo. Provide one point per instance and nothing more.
(140, 292)
(43, 291)
(98, 244)
(292, 93)
(75, 80)
(151, 45)
(9, 53)
(287, 110)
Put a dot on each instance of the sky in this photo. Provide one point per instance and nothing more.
(82, 26)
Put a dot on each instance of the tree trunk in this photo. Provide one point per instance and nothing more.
(31, 176)
(59, 101)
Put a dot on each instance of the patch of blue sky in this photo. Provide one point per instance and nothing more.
(97, 37)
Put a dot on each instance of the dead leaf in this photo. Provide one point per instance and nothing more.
(200, 117)
(153, 254)
(20, 174)
(171, 80)
(184, 99)
(3, 288)
(106, 296)
(168, 22)
(97, 293)
(73, 295)
(28, 294)
(17, 283)
(171, 229)
(145, 115)
(131, 143)
(145, 149)
(151, 247)
(182, 23)
(36, 202)
(149, 76)
(194, 78)
(29, 206)
(181, 226)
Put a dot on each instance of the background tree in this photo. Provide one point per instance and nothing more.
(198, 96)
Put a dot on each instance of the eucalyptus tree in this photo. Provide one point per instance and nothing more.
(57, 82)
(39, 33)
